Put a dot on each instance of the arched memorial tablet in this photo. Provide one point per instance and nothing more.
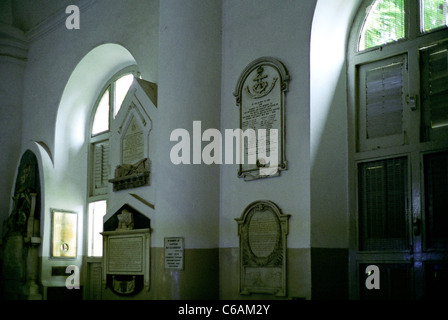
(262, 229)
(260, 94)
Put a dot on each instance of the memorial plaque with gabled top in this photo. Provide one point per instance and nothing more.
(262, 229)
(131, 132)
(126, 251)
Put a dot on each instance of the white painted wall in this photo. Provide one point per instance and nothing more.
(189, 89)
(328, 123)
(253, 29)
(65, 72)
(195, 51)
(13, 48)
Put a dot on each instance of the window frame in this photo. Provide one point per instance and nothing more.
(422, 24)
(367, 6)
(364, 142)
(410, 46)
(407, 226)
(101, 137)
(132, 69)
(414, 149)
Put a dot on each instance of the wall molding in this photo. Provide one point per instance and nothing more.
(53, 22)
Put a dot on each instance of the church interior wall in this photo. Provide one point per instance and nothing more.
(248, 33)
(194, 51)
(329, 148)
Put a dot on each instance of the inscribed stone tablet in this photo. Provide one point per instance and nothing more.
(133, 143)
(260, 93)
(270, 278)
(261, 109)
(262, 229)
(263, 234)
(126, 254)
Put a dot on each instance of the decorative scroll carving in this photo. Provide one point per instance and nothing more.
(131, 175)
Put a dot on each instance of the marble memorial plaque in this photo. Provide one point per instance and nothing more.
(130, 137)
(174, 253)
(126, 252)
(262, 229)
(260, 93)
(263, 234)
(133, 172)
(133, 143)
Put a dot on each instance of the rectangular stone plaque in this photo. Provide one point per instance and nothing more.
(260, 93)
(174, 253)
(126, 254)
(133, 143)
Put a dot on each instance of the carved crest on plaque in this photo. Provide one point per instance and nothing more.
(262, 86)
(262, 229)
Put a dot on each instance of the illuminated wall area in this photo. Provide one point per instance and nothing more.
(131, 113)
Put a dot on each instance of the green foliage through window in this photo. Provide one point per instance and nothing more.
(434, 14)
(385, 23)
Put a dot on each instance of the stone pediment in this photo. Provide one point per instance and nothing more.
(138, 220)
(143, 212)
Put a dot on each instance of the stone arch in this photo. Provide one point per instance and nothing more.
(80, 93)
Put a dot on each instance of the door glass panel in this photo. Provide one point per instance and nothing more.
(382, 205)
(395, 282)
(384, 96)
(434, 14)
(382, 116)
(434, 81)
(101, 119)
(122, 86)
(436, 281)
(97, 210)
(385, 23)
(436, 200)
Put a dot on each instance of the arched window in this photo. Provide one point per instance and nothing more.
(106, 108)
(398, 138)
(384, 23)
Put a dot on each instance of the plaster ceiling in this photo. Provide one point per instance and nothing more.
(26, 14)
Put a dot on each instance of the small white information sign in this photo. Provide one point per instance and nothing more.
(174, 253)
